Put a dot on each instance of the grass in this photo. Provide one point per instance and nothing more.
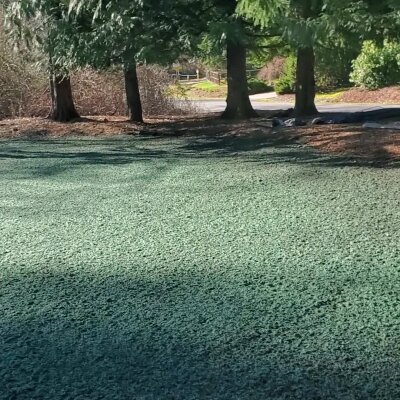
(199, 90)
(196, 269)
(208, 86)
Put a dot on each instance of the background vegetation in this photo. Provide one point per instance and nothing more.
(99, 58)
(377, 66)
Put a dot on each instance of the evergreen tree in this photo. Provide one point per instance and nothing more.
(236, 35)
(227, 33)
(306, 25)
(124, 33)
(45, 26)
(127, 32)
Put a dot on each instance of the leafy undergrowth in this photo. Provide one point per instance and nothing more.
(196, 268)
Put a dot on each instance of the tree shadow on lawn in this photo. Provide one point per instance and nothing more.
(64, 155)
(185, 336)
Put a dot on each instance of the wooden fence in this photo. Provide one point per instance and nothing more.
(185, 77)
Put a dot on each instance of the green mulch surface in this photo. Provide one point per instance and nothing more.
(196, 268)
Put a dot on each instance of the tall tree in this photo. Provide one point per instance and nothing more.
(45, 26)
(306, 25)
(305, 71)
(129, 32)
(125, 33)
(293, 20)
(238, 103)
(229, 34)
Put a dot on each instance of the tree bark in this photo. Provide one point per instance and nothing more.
(62, 102)
(133, 94)
(305, 82)
(238, 101)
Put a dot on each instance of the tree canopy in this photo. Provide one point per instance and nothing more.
(122, 34)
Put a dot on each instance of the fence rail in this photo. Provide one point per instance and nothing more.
(185, 77)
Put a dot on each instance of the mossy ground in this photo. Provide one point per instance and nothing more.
(196, 268)
(199, 90)
(331, 96)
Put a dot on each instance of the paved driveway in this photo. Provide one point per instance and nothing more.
(219, 106)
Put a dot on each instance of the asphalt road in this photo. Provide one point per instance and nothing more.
(219, 106)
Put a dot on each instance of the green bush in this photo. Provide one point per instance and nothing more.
(286, 83)
(258, 86)
(377, 66)
(333, 66)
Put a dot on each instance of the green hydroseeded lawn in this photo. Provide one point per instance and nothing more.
(196, 269)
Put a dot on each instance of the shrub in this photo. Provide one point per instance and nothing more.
(258, 86)
(377, 66)
(333, 66)
(24, 88)
(98, 93)
(287, 81)
(20, 81)
(155, 83)
(103, 92)
(24, 93)
(178, 91)
(272, 70)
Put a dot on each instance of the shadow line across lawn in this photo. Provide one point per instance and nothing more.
(267, 149)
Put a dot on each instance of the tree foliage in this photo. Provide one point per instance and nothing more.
(120, 32)
(44, 25)
(124, 33)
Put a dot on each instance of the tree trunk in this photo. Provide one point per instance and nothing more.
(238, 101)
(62, 102)
(133, 94)
(305, 82)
